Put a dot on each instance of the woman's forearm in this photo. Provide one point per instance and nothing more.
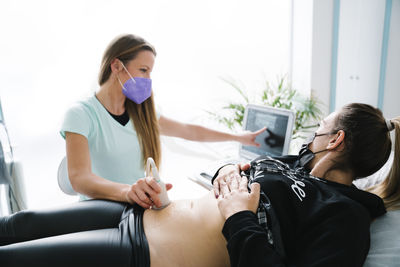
(199, 133)
(97, 187)
(192, 132)
(195, 132)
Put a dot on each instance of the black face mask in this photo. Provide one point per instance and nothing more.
(305, 154)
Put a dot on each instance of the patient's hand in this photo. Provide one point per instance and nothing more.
(227, 171)
(234, 196)
(145, 192)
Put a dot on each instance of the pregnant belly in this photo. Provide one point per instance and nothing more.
(186, 233)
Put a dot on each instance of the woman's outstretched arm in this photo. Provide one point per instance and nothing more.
(195, 132)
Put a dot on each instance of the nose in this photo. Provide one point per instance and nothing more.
(148, 75)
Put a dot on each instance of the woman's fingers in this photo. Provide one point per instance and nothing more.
(151, 181)
(255, 134)
(216, 188)
(153, 188)
(244, 166)
(233, 182)
(144, 197)
(145, 192)
(168, 186)
(260, 131)
(235, 196)
(142, 191)
(243, 184)
(256, 144)
(150, 186)
(137, 200)
(254, 196)
(223, 175)
(223, 188)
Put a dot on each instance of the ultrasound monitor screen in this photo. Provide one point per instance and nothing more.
(272, 141)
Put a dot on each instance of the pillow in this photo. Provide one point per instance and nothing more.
(385, 241)
(376, 178)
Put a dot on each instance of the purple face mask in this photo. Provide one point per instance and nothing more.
(136, 89)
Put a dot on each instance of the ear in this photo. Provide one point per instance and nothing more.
(116, 65)
(336, 141)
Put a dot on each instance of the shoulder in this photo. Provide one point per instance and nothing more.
(80, 117)
(345, 225)
(86, 109)
(349, 226)
(340, 238)
(86, 105)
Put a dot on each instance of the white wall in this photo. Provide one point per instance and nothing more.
(302, 45)
(391, 103)
(361, 24)
(321, 61)
(321, 55)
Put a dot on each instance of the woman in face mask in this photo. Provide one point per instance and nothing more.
(110, 135)
(279, 213)
(310, 213)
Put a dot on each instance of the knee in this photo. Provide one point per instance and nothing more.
(24, 215)
(14, 226)
(22, 221)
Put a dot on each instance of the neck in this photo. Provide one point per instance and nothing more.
(338, 176)
(322, 169)
(111, 97)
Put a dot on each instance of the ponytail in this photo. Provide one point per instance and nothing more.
(389, 189)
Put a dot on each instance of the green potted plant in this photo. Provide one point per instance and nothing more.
(281, 95)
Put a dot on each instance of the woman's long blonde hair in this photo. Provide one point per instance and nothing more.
(389, 189)
(126, 48)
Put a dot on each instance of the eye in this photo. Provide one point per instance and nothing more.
(143, 70)
(318, 124)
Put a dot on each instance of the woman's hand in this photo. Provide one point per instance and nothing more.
(234, 196)
(249, 138)
(227, 171)
(145, 192)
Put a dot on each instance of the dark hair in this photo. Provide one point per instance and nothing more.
(368, 147)
(367, 139)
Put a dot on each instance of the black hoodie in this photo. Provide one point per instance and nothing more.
(319, 222)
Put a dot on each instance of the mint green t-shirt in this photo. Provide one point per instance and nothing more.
(115, 152)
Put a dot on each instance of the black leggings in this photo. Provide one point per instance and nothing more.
(88, 233)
